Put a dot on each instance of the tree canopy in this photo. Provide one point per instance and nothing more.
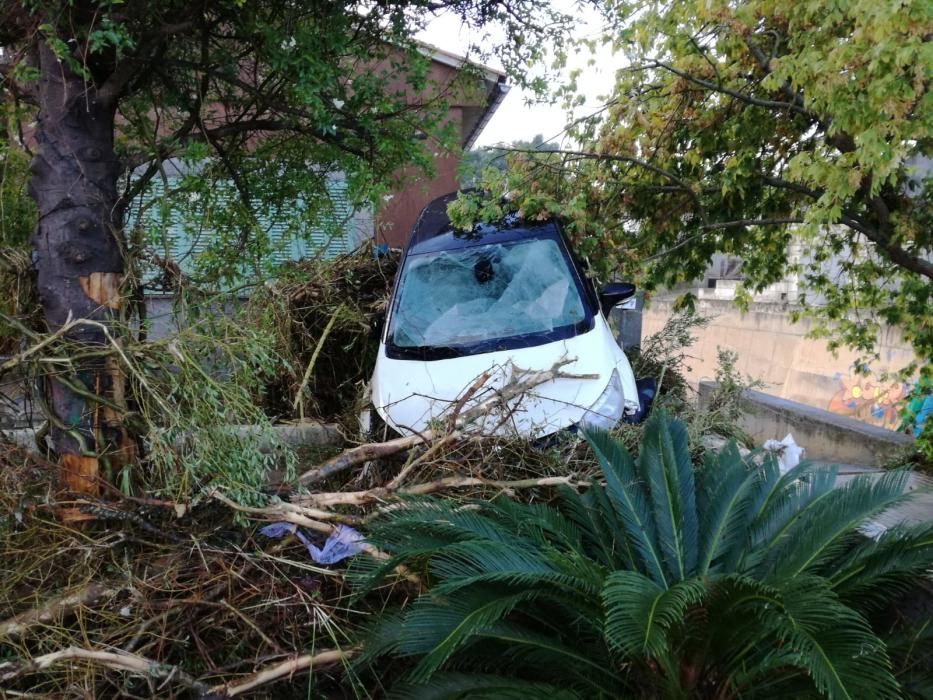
(737, 127)
(272, 98)
(476, 160)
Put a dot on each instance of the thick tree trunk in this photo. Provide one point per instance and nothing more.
(79, 261)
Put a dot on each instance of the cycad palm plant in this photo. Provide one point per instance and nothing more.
(728, 581)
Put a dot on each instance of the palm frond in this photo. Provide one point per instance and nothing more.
(727, 498)
(539, 522)
(435, 627)
(602, 535)
(551, 658)
(422, 529)
(640, 613)
(457, 686)
(629, 500)
(764, 632)
(833, 643)
(665, 465)
(867, 573)
(911, 652)
(789, 501)
(821, 529)
(465, 563)
(769, 489)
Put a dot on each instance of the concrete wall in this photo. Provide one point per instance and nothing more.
(772, 348)
(826, 436)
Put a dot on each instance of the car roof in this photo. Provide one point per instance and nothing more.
(433, 231)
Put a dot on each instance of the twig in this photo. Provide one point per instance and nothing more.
(252, 625)
(467, 395)
(527, 380)
(49, 339)
(116, 660)
(54, 610)
(317, 351)
(451, 435)
(359, 498)
(430, 452)
(280, 511)
(362, 454)
(285, 669)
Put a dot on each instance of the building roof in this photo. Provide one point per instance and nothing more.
(495, 87)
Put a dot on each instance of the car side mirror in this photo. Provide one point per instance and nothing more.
(614, 293)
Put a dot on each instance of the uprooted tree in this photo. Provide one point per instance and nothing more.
(739, 127)
(272, 97)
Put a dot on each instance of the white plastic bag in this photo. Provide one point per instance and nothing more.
(787, 451)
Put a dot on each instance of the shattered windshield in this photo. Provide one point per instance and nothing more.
(470, 295)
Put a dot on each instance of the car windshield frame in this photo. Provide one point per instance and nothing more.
(449, 241)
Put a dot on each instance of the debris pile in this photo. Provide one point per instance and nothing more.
(164, 599)
(143, 603)
(327, 317)
(177, 598)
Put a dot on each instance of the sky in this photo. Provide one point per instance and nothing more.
(516, 119)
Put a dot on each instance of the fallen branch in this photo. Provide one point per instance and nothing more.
(54, 610)
(115, 660)
(450, 437)
(526, 381)
(281, 511)
(384, 493)
(361, 455)
(284, 669)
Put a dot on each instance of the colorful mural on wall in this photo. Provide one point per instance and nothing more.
(869, 399)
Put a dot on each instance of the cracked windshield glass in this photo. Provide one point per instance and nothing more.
(483, 293)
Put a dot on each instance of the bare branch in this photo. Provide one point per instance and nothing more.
(682, 184)
(116, 660)
(284, 669)
(382, 493)
(54, 610)
(748, 99)
(740, 223)
(522, 382)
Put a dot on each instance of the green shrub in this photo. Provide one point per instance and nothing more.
(662, 582)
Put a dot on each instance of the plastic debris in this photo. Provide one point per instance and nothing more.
(787, 452)
(343, 543)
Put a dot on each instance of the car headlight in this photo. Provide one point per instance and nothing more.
(607, 410)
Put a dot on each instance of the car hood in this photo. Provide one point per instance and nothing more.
(410, 394)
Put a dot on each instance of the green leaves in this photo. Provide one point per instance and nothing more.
(629, 502)
(830, 641)
(640, 614)
(732, 580)
(749, 125)
(665, 466)
(110, 35)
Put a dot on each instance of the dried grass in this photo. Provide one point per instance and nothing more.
(18, 298)
(198, 594)
(327, 317)
(207, 603)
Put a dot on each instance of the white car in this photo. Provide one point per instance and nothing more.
(475, 315)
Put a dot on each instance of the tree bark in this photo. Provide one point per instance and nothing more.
(79, 262)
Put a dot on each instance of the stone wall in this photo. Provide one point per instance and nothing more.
(772, 348)
(826, 436)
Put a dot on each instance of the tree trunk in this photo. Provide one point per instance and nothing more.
(79, 261)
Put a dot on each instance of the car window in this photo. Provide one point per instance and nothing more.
(486, 292)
